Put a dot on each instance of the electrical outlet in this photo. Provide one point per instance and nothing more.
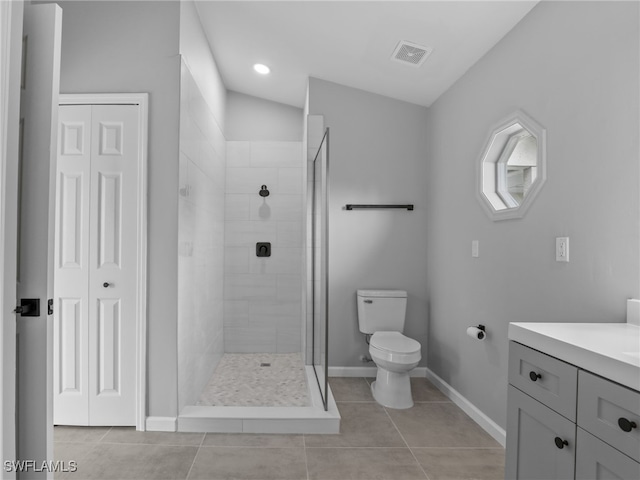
(562, 249)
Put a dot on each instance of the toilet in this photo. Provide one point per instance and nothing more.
(381, 314)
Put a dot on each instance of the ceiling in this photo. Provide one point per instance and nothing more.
(351, 43)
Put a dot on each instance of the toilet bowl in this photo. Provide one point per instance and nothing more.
(395, 356)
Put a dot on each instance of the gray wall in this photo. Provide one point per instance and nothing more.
(256, 119)
(114, 47)
(574, 68)
(377, 156)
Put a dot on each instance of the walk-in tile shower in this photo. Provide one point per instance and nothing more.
(252, 250)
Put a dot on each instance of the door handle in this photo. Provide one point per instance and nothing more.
(29, 307)
(106, 284)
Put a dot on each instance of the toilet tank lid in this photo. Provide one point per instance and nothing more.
(383, 293)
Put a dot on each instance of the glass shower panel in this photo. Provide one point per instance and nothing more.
(319, 264)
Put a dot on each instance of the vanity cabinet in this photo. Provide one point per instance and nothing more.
(564, 422)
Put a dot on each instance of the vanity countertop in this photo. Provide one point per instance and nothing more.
(611, 350)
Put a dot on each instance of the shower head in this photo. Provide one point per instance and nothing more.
(263, 191)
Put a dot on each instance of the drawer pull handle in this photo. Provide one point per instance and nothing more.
(560, 443)
(626, 425)
(534, 376)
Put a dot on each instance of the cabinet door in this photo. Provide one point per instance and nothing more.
(596, 460)
(532, 430)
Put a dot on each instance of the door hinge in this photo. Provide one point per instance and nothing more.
(50, 306)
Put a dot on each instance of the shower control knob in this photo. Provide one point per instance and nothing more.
(106, 284)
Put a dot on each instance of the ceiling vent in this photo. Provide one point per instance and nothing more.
(410, 53)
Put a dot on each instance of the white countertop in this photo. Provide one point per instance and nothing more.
(611, 350)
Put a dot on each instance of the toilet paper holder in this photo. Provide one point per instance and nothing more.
(478, 331)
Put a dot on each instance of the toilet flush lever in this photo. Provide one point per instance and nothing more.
(368, 301)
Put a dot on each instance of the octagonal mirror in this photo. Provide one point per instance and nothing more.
(512, 167)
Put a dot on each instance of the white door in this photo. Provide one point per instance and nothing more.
(10, 59)
(39, 120)
(96, 265)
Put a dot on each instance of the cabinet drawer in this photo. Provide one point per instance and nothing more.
(605, 408)
(547, 379)
(598, 461)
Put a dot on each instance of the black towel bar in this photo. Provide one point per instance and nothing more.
(350, 206)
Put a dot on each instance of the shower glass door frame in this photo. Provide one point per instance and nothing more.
(320, 266)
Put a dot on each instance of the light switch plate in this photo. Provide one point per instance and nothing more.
(562, 249)
(475, 248)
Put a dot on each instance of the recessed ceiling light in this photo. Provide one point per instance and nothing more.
(261, 69)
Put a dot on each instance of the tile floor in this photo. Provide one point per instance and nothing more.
(434, 440)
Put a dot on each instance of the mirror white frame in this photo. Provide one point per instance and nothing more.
(490, 176)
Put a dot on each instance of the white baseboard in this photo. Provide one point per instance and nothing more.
(491, 427)
(162, 424)
(368, 371)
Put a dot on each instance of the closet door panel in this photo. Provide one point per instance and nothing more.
(71, 260)
(96, 260)
(112, 260)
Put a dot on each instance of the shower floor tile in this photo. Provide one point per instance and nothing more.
(257, 380)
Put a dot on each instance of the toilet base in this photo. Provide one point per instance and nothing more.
(392, 389)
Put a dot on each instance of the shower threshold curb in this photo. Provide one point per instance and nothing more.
(229, 419)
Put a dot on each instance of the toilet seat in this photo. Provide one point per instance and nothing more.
(394, 347)
(394, 342)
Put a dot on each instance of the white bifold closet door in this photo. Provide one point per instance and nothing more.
(95, 265)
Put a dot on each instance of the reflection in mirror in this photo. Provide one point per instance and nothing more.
(512, 167)
(517, 168)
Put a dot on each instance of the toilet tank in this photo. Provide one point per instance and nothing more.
(381, 310)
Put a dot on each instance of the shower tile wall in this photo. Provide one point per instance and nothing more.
(200, 242)
(263, 295)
